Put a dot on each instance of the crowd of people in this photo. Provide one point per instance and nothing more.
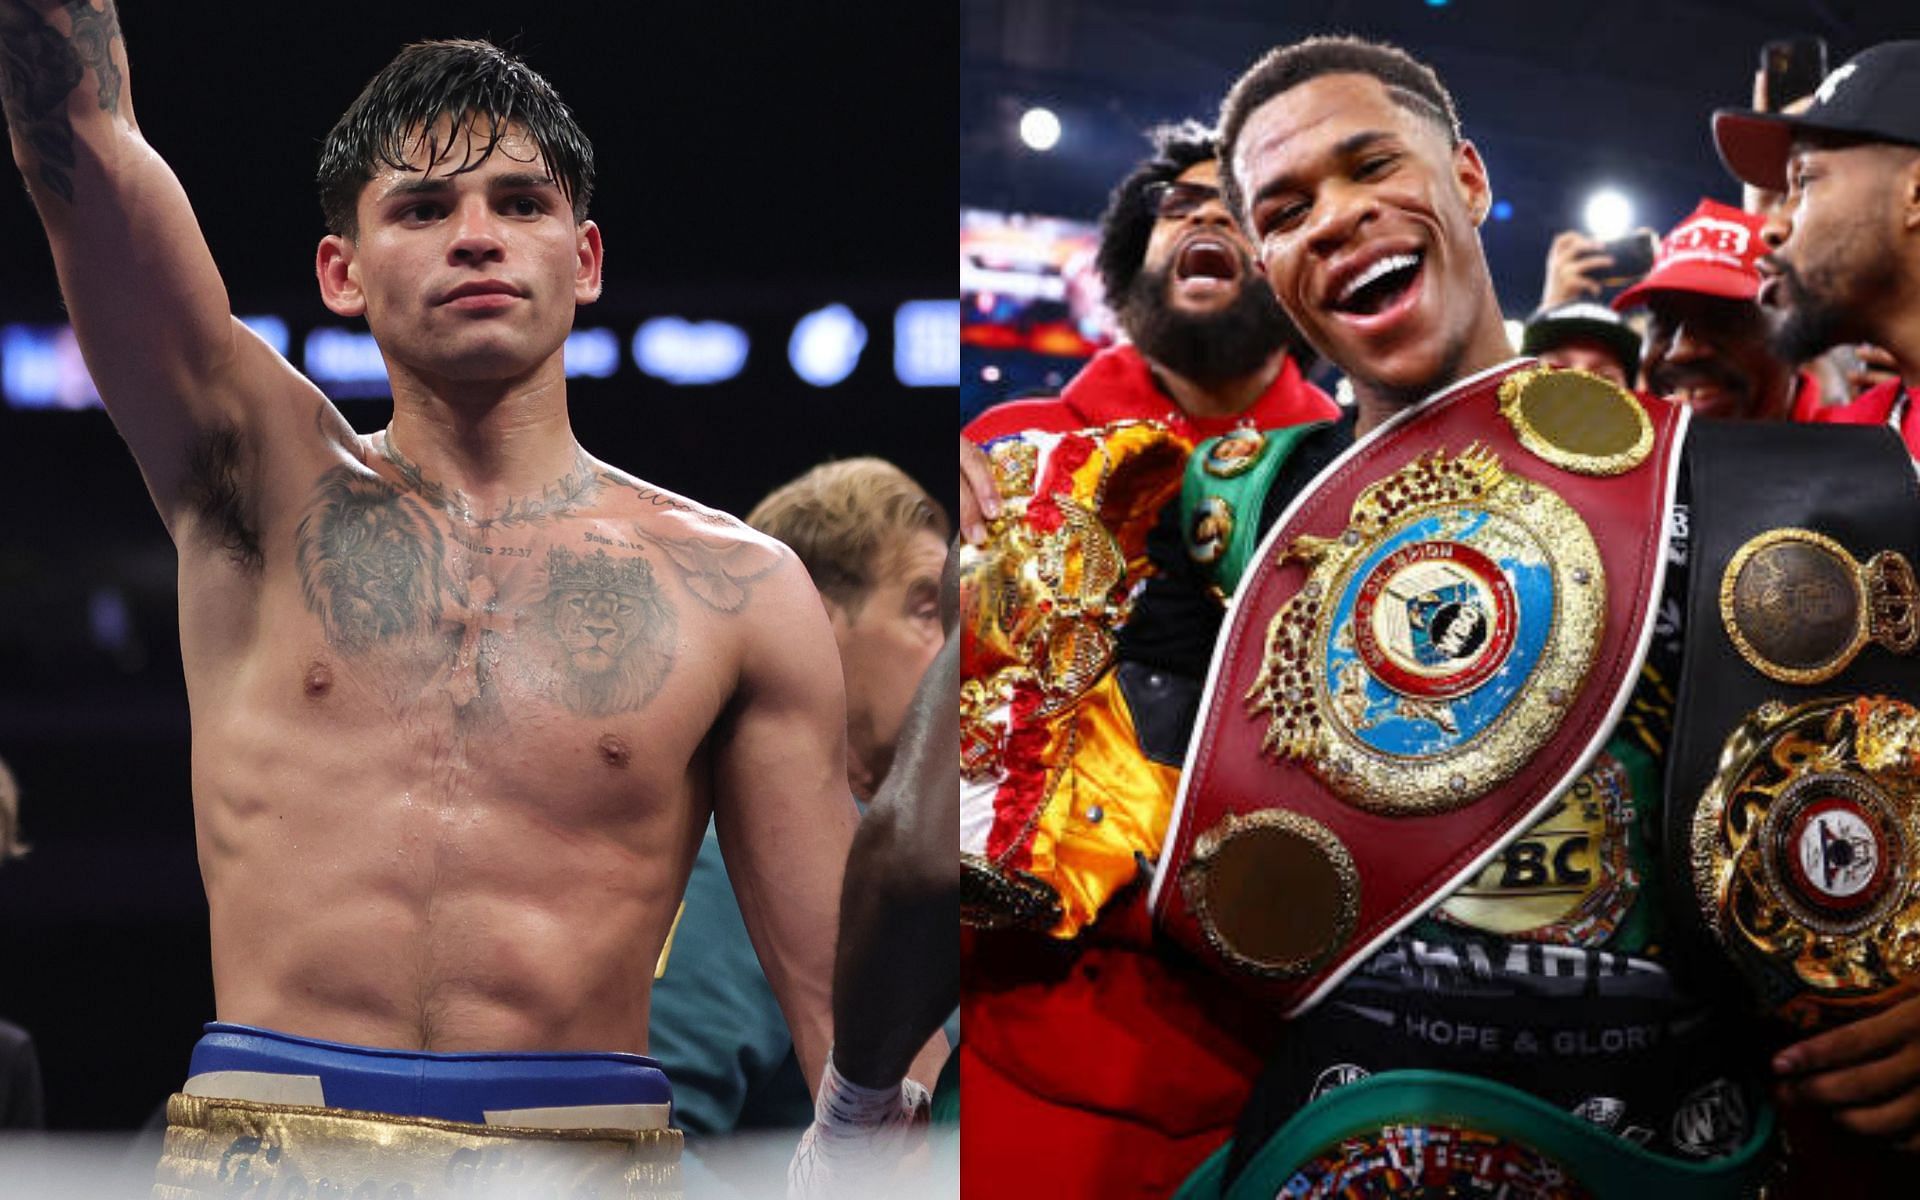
(1450, 794)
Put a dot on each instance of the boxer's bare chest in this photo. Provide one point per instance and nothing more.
(590, 607)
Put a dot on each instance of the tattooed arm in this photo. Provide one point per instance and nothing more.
(782, 809)
(145, 298)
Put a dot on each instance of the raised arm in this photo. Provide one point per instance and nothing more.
(782, 808)
(146, 302)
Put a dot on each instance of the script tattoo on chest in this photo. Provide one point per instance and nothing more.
(599, 639)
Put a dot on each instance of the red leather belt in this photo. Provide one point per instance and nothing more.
(1430, 645)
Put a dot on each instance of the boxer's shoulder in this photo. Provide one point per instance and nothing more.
(722, 561)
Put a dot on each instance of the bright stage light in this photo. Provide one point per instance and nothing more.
(1609, 214)
(1040, 129)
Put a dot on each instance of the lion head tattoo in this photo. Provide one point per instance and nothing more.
(609, 630)
(370, 563)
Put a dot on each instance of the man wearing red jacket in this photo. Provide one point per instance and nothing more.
(1846, 267)
(1208, 347)
(1097, 1066)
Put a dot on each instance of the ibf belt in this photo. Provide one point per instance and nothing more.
(1794, 771)
(1430, 645)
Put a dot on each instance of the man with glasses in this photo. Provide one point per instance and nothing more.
(1057, 1015)
(1207, 347)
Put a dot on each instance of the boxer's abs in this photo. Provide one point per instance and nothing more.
(388, 866)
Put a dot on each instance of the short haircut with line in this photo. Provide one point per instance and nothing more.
(1411, 83)
(473, 84)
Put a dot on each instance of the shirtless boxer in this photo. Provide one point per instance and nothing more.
(463, 696)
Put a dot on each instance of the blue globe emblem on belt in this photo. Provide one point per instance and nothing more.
(1436, 631)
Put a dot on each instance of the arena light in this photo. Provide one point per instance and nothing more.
(345, 363)
(594, 353)
(1608, 213)
(690, 352)
(40, 367)
(926, 343)
(826, 345)
(271, 330)
(1040, 129)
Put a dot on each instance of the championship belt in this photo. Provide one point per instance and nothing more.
(1430, 645)
(1434, 1133)
(1795, 767)
(1056, 804)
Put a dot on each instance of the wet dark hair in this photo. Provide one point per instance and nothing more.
(1127, 225)
(467, 81)
(1411, 83)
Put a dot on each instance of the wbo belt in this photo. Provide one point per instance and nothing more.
(1428, 647)
(1435, 1133)
(1795, 767)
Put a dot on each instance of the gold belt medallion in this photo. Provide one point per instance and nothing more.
(1275, 892)
(1799, 608)
(1576, 420)
(1438, 640)
(1805, 854)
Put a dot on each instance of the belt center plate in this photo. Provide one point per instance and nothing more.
(1438, 640)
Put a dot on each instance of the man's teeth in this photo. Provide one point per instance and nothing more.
(1393, 262)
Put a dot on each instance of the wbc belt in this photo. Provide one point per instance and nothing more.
(1429, 646)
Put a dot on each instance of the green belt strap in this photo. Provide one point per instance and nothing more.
(1605, 1164)
(1244, 494)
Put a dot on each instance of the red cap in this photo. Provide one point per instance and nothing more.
(1712, 252)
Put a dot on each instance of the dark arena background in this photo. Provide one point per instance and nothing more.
(772, 189)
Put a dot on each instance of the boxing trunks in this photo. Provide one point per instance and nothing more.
(268, 1114)
(1428, 648)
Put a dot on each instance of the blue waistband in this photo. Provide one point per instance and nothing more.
(453, 1087)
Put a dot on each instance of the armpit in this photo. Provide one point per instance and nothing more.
(213, 492)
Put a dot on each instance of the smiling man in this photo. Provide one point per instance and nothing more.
(1706, 343)
(1051, 1107)
(1400, 824)
(463, 696)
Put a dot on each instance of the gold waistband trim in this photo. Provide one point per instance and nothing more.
(218, 1147)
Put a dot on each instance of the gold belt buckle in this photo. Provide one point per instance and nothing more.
(1805, 858)
(1799, 608)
